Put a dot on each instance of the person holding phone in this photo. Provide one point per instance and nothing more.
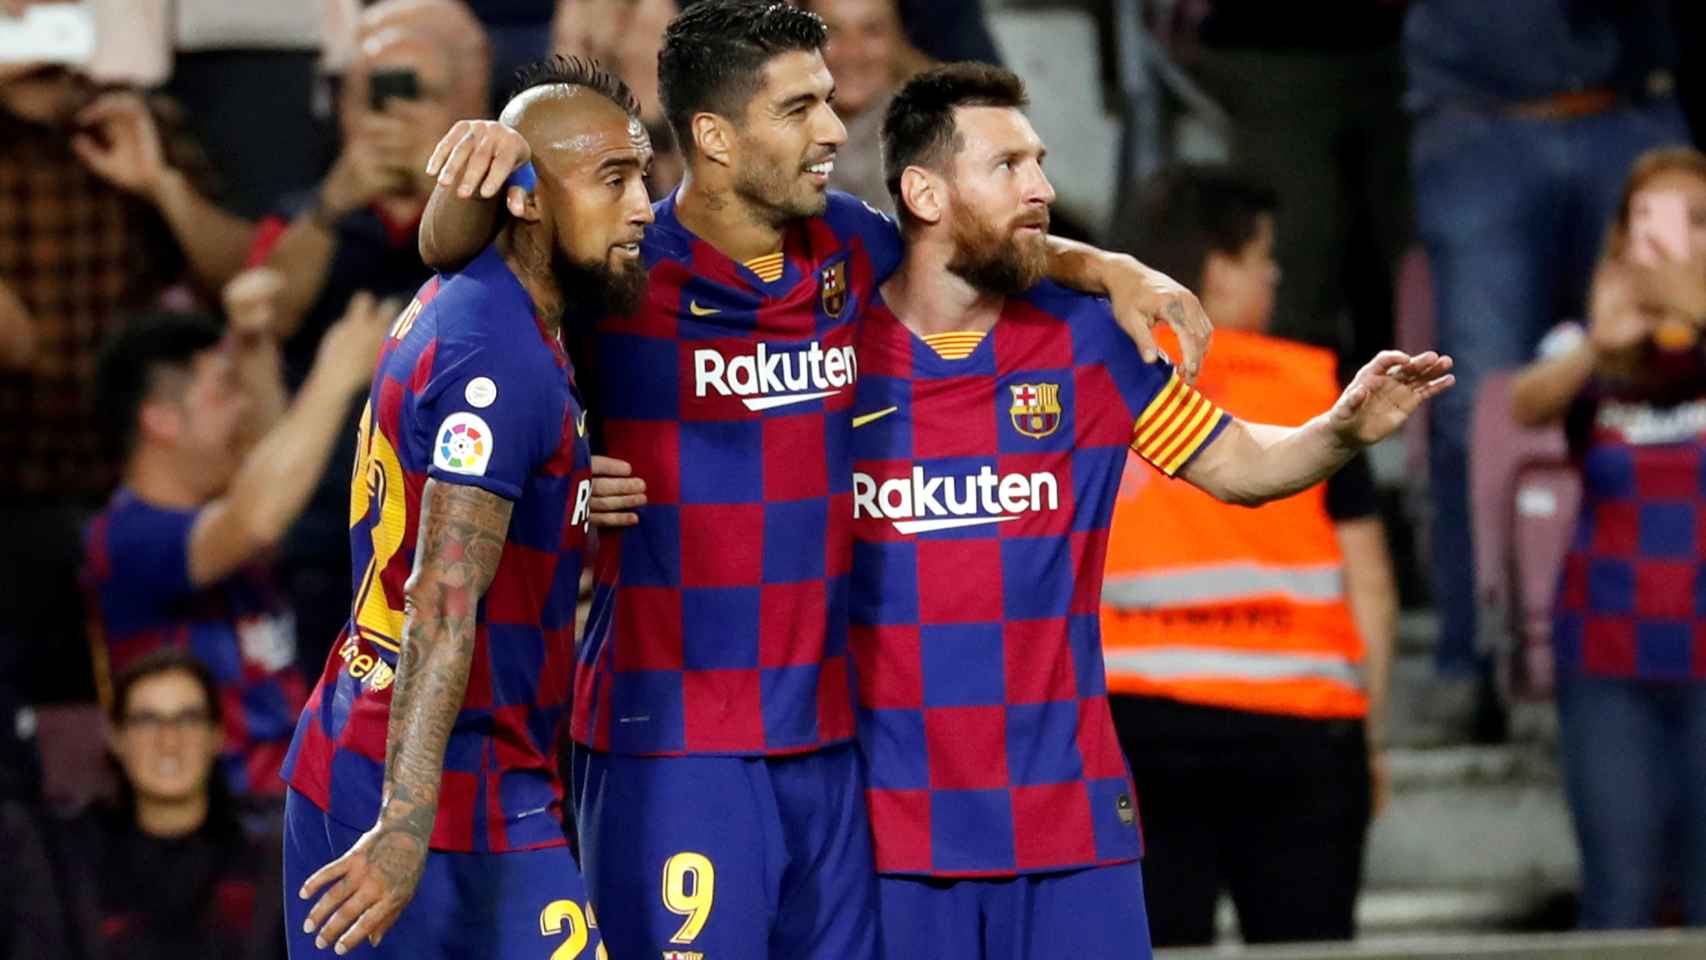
(1629, 628)
(420, 65)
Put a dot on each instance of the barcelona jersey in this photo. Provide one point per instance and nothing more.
(983, 490)
(137, 574)
(719, 623)
(471, 389)
(1631, 602)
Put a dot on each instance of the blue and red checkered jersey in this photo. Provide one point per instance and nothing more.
(719, 622)
(137, 575)
(1632, 599)
(983, 491)
(471, 389)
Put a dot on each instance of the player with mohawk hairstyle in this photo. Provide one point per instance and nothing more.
(434, 726)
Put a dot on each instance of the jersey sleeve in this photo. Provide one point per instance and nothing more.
(874, 228)
(1171, 421)
(494, 417)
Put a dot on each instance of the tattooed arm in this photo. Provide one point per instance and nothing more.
(462, 530)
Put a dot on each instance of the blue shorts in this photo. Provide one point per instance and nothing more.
(754, 857)
(525, 905)
(1096, 912)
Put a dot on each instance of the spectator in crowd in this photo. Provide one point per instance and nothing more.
(1315, 105)
(173, 870)
(1240, 664)
(357, 232)
(1528, 115)
(215, 470)
(869, 59)
(98, 214)
(1630, 391)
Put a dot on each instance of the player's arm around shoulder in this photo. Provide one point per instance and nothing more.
(460, 543)
(1140, 295)
(472, 162)
(1253, 463)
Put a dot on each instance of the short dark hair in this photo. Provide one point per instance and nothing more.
(154, 664)
(715, 51)
(1185, 213)
(131, 363)
(574, 72)
(919, 128)
(222, 810)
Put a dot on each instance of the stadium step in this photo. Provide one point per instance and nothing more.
(1474, 818)
(1473, 840)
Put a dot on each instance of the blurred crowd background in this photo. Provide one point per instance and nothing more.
(206, 204)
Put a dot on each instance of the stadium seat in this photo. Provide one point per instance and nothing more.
(1055, 50)
(1524, 498)
(71, 743)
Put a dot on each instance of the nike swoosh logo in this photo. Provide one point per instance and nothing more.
(580, 424)
(694, 308)
(865, 418)
(910, 527)
(771, 403)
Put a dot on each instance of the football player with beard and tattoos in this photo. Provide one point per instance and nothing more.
(713, 708)
(434, 725)
(993, 415)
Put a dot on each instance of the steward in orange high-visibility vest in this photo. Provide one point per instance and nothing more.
(1230, 607)
(1246, 648)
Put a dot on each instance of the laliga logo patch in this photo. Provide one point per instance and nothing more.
(464, 445)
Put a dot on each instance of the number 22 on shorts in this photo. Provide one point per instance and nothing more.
(689, 886)
(559, 914)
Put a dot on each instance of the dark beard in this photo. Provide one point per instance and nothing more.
(765, 189)
(610, 291)
(993, 263)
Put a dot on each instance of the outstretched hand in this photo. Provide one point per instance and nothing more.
(1385, 392)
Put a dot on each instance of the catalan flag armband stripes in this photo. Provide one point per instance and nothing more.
(1173, 426)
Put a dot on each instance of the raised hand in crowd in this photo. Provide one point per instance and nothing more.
(348, 350)
(119, 140)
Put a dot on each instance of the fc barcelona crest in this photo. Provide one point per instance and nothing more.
(832, 288)
(1036, 408)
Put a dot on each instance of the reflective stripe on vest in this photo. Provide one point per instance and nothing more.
(1223, 583)
(1183, 662)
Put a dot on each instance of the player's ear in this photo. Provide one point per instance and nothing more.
(523, 204)
(1217, 268)
(921, 194)
(713, 138)
(156, 420)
